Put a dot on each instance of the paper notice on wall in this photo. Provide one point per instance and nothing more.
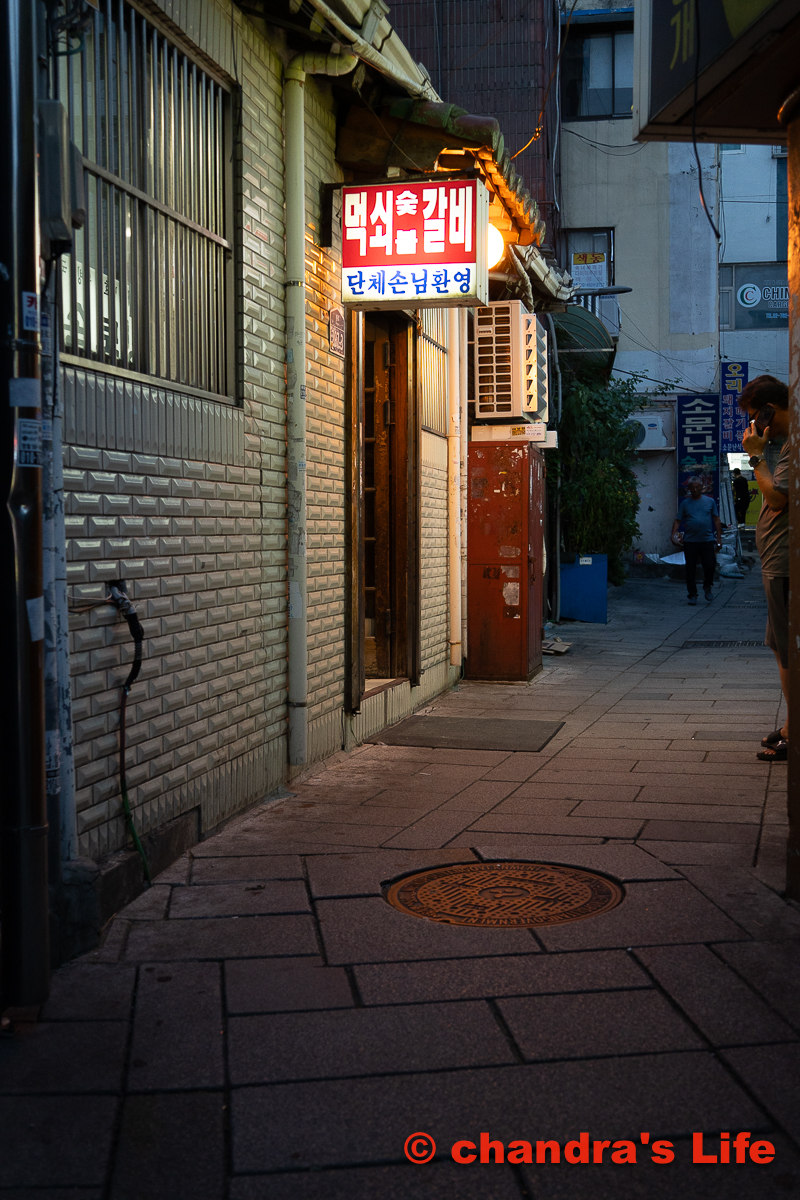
(589, 270)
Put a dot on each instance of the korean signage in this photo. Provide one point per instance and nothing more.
(698, 442)
(415, 245)
(674, 54)
(734, 422)
(589, 270)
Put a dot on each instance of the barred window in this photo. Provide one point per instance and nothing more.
(432, 368)
(147, 285)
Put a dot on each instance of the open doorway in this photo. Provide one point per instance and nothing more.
(389, 513)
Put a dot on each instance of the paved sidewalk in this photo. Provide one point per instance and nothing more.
(260, 1025)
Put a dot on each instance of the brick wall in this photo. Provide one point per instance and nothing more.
(184, 497)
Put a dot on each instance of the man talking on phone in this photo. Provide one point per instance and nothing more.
(766, 402)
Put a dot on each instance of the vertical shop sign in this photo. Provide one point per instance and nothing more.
(698, 442)
(415, 245)
(734, 422)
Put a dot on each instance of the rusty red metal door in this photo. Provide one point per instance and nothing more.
(504, 560)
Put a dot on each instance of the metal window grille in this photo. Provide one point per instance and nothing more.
(432, 368)
(146, 287)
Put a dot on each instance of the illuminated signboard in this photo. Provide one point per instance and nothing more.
(415, 245)
(734, 421)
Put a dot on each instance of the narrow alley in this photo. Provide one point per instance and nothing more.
(261, 1023)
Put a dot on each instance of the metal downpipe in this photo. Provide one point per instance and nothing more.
(294, 166)
(557, 605)
(454, 482)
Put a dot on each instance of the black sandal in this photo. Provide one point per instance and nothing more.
(777, 752)
(772, 738)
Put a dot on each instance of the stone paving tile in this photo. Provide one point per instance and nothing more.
(672, 1093)
(178, 872)
(261, 985)
(364, 1041)
(368, 930)
(437, 1181)
(83, 992)
(465, 979)
(650, 914)
(625, 862)
(66, 1056)
(56, 1141)
(773, 970)
(364, 874)
(518, 767)
(469, 758)
(339, 814)
(177, 1028)
(575, 755)
(741, 814)
(240, 899)
(647, 1180)
(724, 1008)
(151, 905)
(478, 797)
(232, 845)
(171, 1146)
(573, 826)
(432, 830)
(534, 789)
(613, 743)
(746, 901)
(225, 937)
(772, 1073)
(253, 867)
(595, 1025)
(355, 834)
(416, 803)
(507, 845)
(699, 831)
(689, 792)
(698, 853)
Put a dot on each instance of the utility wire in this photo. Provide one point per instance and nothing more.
(539, 127)
(694, 117)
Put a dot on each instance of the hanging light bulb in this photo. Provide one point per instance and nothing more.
(495, 248)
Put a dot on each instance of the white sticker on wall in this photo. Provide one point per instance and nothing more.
(36, 618)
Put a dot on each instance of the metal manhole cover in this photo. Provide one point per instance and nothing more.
(504, 894)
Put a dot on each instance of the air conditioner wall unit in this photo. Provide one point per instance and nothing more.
(511, 369)
(649, 433)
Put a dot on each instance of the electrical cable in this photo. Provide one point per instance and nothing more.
(539, 127)
(121, 601)
(633, 147)
(694, 117)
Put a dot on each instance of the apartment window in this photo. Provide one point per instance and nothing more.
(598, 74)
(590, 257)
(432, 368)
(147, 286)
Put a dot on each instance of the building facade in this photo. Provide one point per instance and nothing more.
(178, 353)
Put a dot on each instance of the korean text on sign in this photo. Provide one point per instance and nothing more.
(412, 242)
(734, 421)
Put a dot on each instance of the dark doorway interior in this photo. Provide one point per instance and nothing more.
(389, 517)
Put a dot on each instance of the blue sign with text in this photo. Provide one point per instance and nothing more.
(698, 442)
(734, 422)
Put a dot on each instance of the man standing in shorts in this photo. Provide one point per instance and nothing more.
(766, 401)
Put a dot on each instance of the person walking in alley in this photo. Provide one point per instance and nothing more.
(701, 535)
(766, 402)
(741, 496)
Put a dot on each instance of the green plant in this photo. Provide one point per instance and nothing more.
(598, 493)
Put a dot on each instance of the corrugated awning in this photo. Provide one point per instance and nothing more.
(583, 339)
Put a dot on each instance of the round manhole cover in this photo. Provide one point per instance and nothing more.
(504, 894)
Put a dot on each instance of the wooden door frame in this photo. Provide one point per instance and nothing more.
(407, 504)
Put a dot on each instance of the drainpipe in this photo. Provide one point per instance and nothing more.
(557, 605)
(454, 483)
(463, 366)
(294, 165)
(24, 973)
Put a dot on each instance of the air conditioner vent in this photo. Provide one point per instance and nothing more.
(510, 363)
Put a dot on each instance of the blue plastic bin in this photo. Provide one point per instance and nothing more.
(584, 588)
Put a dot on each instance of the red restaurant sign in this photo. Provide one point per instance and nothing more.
(415, 245)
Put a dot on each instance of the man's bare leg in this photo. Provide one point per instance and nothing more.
(784, 674)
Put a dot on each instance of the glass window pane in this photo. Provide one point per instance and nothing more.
(597, 76)
(726, 277)
(623, 73)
